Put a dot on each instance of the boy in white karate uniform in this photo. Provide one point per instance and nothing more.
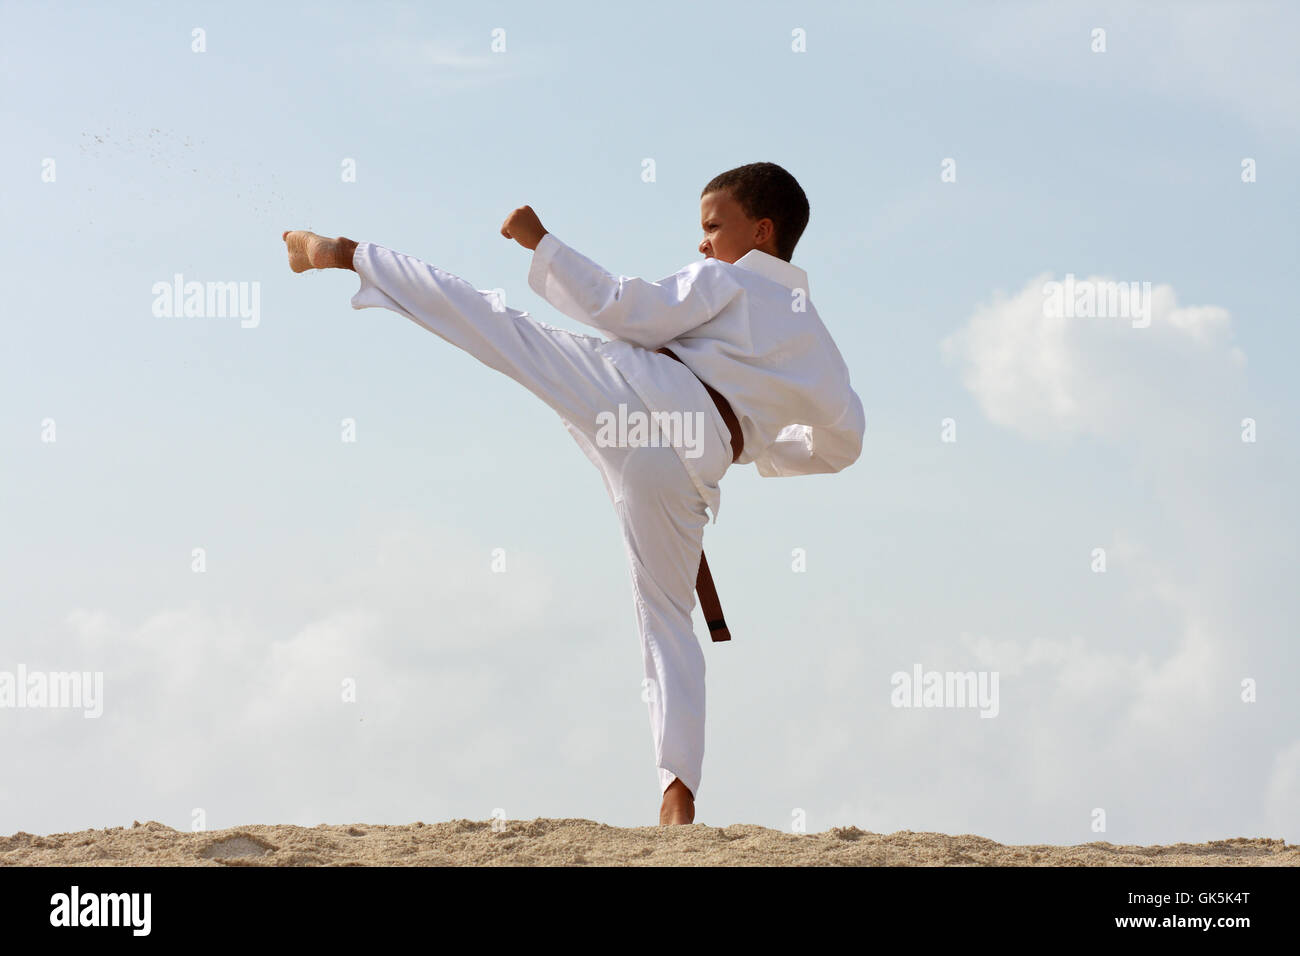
(740, 320)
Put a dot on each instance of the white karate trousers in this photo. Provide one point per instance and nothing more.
(660, 512)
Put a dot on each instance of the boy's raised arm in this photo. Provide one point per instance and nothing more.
(648, 314)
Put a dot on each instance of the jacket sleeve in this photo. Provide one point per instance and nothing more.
(648, 314)
(808, 450)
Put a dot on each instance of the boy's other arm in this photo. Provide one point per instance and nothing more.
(648, 314)
(824, 449)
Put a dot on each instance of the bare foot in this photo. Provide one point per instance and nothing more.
(310, 251)
(678, 806)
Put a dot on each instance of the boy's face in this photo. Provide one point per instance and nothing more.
(728, 232)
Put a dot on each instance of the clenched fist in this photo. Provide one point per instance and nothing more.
(524, 227)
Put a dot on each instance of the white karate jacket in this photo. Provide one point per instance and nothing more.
(748, 329)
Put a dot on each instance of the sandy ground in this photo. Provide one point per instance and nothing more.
(544, 842)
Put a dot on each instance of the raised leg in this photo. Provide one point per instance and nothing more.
(310, 251)
(560, 367)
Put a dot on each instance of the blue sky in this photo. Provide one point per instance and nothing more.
(370, 560)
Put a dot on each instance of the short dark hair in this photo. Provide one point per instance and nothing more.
(766, 191)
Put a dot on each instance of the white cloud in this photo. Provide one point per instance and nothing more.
(1052, 375)
(1159, 687)
(210, 706)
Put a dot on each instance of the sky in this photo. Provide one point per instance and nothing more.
(295, 628)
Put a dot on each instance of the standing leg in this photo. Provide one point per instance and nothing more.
(662, 518)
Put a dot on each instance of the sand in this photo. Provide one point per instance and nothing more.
(545, 842)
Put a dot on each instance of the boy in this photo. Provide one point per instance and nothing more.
(740, 320)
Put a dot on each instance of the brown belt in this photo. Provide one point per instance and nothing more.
(709, 602)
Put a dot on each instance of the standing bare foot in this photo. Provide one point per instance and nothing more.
(678, 806)
(310, 251)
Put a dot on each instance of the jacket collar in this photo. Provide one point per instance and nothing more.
(774, 268)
